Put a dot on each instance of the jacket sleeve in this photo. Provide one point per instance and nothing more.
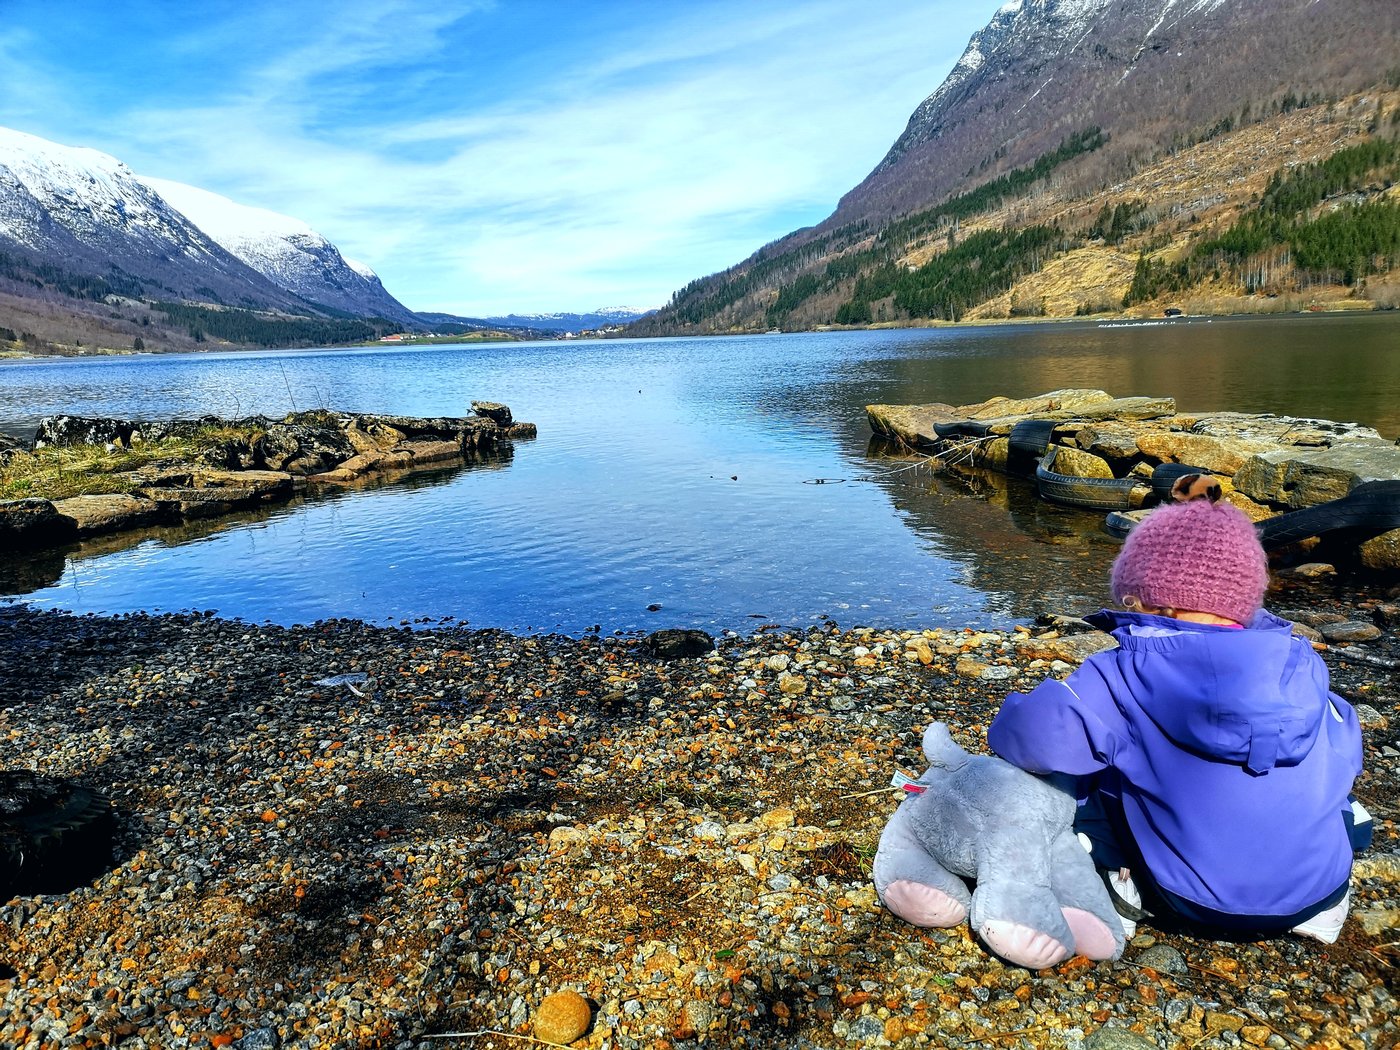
(1069, 727)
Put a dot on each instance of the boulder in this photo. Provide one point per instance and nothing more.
(1114, 408)
(1381, 552)
(66, 431)
(1079, 464)
(675, 643)
(1296, 478)
(1071, 649)
(27, 524)
(494, 411)
(910, 425)
(113, 512)
(209, 493)
(1201, 450)
(8, 448)
(372, 435)
(1110, 441)
(1041, 406)
(424, 452)
(1274, 429)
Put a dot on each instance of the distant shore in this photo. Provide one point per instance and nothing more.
(1349, 308)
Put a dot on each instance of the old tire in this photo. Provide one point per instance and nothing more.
(1026, 443)
(1090, 493)
(55, 834)
(1373, 506)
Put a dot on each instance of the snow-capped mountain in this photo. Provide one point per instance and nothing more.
(573, 322)
(285, 250)
(87, 213)
(1146, 72)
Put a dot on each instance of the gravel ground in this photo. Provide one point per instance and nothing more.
(351, 836)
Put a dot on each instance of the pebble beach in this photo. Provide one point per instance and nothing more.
(345, 835)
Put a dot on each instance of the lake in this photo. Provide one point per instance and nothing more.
(721, 483)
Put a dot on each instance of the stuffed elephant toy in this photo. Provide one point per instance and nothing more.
(1038, 898)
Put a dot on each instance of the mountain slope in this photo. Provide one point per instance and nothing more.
(86, 213)
(286, 251)
(1068, 123)
(1147, 72)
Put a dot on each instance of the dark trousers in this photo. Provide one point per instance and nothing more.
(1100, 818)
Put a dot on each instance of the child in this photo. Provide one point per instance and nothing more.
(1216, 762)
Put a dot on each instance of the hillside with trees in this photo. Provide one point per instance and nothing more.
(1291, 203)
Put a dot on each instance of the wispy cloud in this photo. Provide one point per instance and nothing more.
(485, 160)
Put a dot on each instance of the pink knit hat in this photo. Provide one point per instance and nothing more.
(1198, 556)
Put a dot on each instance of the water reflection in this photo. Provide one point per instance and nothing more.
(68, 567)
(1027, 556)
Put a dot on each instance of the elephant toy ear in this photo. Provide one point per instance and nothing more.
(941, 750)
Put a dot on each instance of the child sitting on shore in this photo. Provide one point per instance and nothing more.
(1215, 762)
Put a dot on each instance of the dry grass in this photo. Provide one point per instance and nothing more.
(1187, 195)
(86, 470)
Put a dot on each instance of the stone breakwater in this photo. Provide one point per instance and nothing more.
(260, 461)
(350, 836)
(1266, 464)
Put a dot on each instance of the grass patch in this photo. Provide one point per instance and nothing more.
(55, 473)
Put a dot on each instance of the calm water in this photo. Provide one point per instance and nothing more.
(731, 482)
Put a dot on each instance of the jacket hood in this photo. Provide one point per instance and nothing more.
(1227, 692)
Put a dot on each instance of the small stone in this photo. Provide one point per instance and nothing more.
(970, 668)
(564, 837)
(1350, 631)
(778, 662)
(1312, 570)
(792, 684)
(562, 1017)
(1368, 716)
(776, 819)
(1163, 958)
(1307, 632)
(709, 831)
(1111, 1037)
(1217, 1021)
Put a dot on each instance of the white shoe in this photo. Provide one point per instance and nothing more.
(1121, 885)
(1326, 926)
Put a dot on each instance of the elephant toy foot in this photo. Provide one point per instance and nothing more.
(1022, 945)
(1092, 937)
(921, 905)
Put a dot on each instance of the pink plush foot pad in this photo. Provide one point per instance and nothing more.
(1092, 939)
(1022, 945)
(922, 905)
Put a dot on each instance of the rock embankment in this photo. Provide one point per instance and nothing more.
(347, 836)
(243, 463)
(1266, 464)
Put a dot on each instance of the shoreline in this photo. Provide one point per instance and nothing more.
(473, 820)
(1097, 320)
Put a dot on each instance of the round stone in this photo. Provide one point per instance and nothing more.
(1351, 631)
(562, 1017)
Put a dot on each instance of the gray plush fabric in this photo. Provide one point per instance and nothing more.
(981, 819)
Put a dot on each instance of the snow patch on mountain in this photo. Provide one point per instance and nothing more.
(360, 268)
(56, 192)
(283, 249)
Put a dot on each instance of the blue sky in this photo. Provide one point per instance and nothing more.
(494, 157)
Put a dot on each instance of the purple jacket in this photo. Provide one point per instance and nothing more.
(1235, 759)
